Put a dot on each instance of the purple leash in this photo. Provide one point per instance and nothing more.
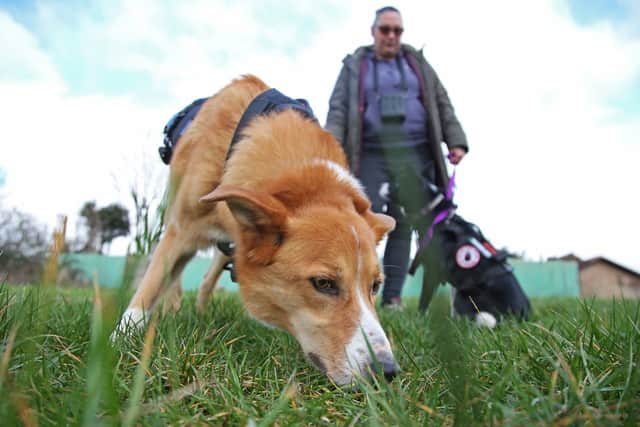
(441, 216)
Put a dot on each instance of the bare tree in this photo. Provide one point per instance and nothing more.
(114, 222)
(144, 177)
(90, 222)
(102, 225)
(23, 246)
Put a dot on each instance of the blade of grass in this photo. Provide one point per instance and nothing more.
(96, 359)
(6, 355)
(288, 394)
(138, 384)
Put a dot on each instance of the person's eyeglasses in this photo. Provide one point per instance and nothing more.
(385, 30)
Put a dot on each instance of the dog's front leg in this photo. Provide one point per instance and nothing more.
(173, 297)
(168, 260)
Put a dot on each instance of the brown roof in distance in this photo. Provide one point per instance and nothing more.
(591, 261)
(598, 259)
(567, 257)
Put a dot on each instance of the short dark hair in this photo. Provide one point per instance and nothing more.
(383, 10)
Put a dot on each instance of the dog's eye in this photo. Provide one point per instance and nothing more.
(324, 285)
(376, 287)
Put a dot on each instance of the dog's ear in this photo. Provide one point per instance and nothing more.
(261, 218)
(381, 224)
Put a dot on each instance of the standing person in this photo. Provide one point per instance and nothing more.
(391, 112)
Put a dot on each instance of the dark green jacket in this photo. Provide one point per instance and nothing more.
(346, 108)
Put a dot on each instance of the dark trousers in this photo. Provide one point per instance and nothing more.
(402, 173)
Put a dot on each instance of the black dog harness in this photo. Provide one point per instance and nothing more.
(265, 103)
(268, 101)
(176, 126)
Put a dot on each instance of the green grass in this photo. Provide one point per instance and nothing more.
(574, 363)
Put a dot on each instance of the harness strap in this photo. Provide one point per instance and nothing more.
(437, 219)
(176, 126)
(268, 101)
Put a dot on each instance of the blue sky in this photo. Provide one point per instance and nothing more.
(623, 15)
(547, 91)
(70, 31)
(589, 12)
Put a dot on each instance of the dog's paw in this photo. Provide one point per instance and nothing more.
(132, 319)
(486, 319)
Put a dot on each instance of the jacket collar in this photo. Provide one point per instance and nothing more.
(352, 61)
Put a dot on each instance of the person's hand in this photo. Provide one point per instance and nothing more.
(456, 154)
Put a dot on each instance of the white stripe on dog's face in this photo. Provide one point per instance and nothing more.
(357, 350)
(358, 354)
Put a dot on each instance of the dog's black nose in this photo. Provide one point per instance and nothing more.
(389, 368)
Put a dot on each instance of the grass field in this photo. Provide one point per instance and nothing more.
(575, 363)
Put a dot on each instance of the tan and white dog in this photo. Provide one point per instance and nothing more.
(305, 238)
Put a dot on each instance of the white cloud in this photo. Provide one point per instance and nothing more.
(22, 60)
(60, 151)
(552, 164)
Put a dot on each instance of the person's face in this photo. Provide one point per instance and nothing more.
(387, 32)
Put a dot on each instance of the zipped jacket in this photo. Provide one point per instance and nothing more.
(346, 109)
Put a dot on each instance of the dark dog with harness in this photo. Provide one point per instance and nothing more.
(455, 251)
